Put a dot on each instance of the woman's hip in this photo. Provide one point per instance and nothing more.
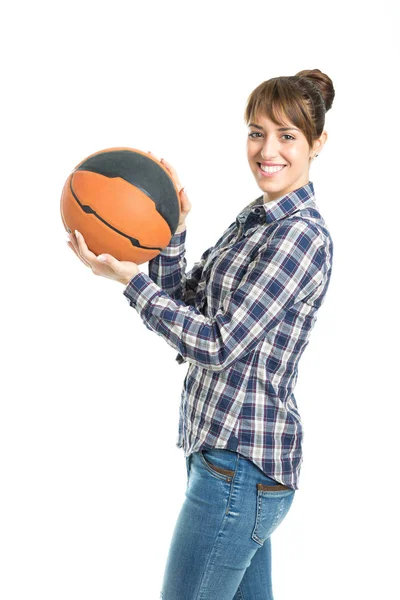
(230, 510)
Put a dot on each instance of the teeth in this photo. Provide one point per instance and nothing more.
(271, 169)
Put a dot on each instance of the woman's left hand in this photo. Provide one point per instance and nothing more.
(121, 271)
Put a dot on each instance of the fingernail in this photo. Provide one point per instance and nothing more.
(76, 233)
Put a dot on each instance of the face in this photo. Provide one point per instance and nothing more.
(267, 142)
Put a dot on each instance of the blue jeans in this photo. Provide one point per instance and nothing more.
(221, 545)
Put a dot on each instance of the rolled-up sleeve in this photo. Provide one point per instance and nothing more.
(287, 268)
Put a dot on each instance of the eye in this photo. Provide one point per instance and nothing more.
(287, 135)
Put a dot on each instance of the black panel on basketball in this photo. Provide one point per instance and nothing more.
(138, 170)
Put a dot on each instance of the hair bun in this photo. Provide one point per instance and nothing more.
(322, 82)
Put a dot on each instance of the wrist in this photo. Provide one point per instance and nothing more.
(126, 280)
(181, 228)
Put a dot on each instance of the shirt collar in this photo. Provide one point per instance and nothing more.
(285, 205)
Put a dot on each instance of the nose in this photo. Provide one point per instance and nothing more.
(269, 150)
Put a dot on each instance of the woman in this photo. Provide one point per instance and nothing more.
(241, 318)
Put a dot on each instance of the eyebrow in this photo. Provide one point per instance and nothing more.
(279, 128)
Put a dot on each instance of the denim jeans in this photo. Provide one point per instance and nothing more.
(221, 544)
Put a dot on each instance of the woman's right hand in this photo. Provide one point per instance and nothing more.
(185, 204)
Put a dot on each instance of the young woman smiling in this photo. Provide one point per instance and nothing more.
(241, 318)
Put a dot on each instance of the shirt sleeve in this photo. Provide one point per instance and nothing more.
(287, 269)
(168, 270)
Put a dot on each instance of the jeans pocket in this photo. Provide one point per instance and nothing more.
(219, 462)
(273, 504)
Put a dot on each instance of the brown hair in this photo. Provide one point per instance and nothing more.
(302, 99)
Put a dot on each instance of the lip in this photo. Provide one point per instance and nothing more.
(269, 174)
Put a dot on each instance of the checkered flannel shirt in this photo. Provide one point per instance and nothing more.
(241, 319)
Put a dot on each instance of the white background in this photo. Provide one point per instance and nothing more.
(91, 480)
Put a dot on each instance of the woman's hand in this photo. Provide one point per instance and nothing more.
(121, 271)
(186, 205)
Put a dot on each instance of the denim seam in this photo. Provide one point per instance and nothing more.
(232, 484)
(216, 541)
(241, 597)
(209, 562)
(199, 595)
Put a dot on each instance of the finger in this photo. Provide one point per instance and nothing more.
(75, 247)
(83, 250)
(173, 173)
(72, 248)
(77, 254)
(170, 167)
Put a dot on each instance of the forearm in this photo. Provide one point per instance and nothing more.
(286, 270)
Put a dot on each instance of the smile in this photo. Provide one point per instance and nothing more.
(269, 171)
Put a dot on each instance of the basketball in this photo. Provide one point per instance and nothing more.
(123, 202)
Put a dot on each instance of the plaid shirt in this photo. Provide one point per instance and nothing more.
(242, 318)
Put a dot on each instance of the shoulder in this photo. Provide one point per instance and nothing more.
(301, 241)
(299, 230)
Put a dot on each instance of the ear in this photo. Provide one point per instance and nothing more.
(321, 141)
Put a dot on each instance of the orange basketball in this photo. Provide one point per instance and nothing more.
(123, 202)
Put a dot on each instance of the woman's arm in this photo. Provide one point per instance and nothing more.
(287, 269)
(168, 269)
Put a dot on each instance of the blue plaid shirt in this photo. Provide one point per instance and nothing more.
(241, 319)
